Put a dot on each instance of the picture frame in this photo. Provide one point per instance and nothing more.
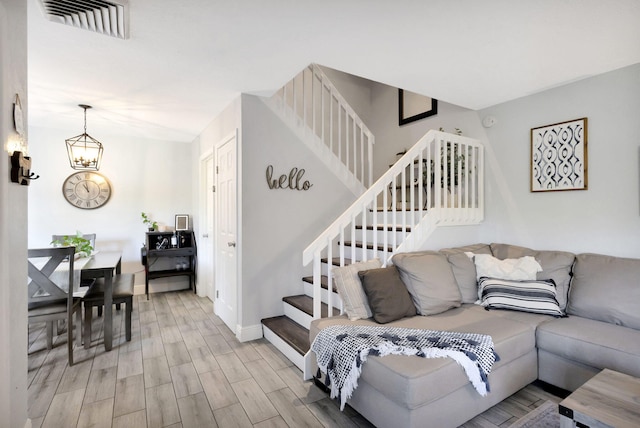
(412, 107)
(559, 156)
(182, 222)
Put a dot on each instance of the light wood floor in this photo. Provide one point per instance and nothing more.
(184, 368)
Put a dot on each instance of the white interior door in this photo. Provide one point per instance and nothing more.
(225, 303)
(205, 262)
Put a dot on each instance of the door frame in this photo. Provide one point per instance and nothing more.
(235, 134)
(204, 157)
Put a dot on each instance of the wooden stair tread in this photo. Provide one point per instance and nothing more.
(398, 209)
(335, 261)
(369, 246)
(388, 228)
(291, 332)
(305, 304)
(324, 281)
(408, 186)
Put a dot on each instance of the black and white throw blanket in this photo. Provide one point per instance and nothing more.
(342, 349)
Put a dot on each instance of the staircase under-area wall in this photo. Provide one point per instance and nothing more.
(322, 119)
(438, 182)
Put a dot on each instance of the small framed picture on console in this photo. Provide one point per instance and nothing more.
(182, 222)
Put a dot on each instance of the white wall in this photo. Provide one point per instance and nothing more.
(606, 217)
(13, 221)
(150, 176)
(278, 225)
(355, 90)
(274, 225)
(392, 138)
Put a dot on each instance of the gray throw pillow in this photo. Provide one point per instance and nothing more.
(464, 270)
(606, 288)
(354, 301)
(429, 280)
(556, 265)
(387, 295)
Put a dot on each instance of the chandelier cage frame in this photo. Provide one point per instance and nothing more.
(85, 152)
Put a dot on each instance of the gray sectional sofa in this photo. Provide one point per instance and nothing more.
(600, 295)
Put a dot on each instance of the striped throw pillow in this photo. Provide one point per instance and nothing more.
(535, 296)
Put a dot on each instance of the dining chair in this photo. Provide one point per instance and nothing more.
(92, 240)
(122, 292)
(50, 292)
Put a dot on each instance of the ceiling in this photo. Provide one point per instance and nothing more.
(186, 60)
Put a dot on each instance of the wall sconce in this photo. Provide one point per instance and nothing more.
(20, 169)
(16, 143)
(17, 148)
(85, 152)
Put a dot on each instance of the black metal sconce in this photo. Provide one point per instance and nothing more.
(20, 169)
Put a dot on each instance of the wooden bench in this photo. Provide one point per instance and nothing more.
(122, 293)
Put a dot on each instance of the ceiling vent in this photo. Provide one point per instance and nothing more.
(104, 17)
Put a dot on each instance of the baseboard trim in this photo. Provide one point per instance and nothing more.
(252, 332)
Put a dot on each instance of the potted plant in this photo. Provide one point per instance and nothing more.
(152, 225)
(448, 154)
(83, 246)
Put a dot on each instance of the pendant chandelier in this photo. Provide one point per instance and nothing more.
(85, 152)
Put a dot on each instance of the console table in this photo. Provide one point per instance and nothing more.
(161, 260)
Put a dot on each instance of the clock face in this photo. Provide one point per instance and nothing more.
(86, 190)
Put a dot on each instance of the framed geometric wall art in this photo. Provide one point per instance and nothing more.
(559, 156)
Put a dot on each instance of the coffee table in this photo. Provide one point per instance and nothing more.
(609, 399)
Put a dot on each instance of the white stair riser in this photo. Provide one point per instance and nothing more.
(324, 268)
(337, 302)
(284, 347)
(295, 314)
(380, 235)
(371, 254)
(411, 216)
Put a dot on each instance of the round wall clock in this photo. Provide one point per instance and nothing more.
(86, 190)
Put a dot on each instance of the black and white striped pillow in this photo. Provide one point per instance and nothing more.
(536, 296)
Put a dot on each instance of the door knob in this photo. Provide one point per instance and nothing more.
(205, 235)
(231, 244)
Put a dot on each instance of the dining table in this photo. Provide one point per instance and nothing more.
(104, 264)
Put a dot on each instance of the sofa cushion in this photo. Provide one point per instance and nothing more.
(535, 296)
(414, 381)
(606, 288)
(593, 343)
(556, 265)
(429, 280)
(523, 268)
(387, 295)
(464, 270)
(354, 300)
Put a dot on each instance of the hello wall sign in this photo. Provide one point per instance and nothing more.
(292, 181)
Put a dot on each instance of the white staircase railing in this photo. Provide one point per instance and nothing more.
(439, 181)
(316, 107)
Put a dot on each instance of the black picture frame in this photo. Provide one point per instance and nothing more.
(182, 222)
(430, 108)
(559, 156)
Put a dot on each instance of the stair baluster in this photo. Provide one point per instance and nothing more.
(312, 105)
(447, 168)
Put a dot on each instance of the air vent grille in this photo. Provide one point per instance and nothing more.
(104, 17)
